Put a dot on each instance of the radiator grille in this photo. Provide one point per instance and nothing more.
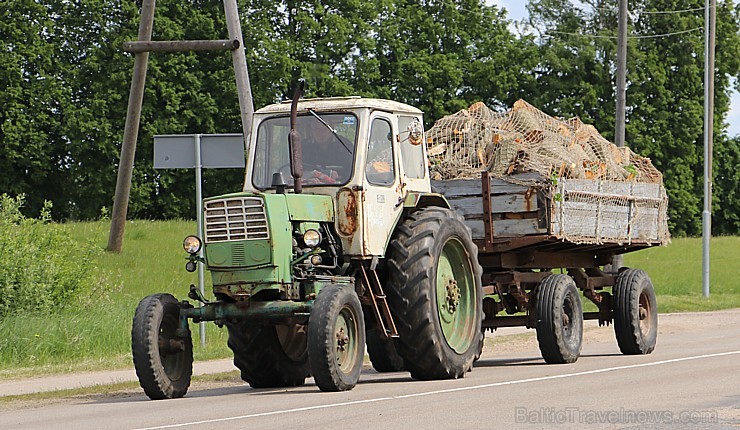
(239, 218)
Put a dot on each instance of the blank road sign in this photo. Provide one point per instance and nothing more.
(177, 151)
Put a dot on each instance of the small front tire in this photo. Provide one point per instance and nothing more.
(336, 338)
(163, 361)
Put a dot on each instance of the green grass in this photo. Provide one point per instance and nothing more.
(676, 272)
(95, 334)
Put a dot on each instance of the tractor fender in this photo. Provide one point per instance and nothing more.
(413, 202)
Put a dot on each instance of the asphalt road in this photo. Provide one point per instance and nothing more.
(692, 380)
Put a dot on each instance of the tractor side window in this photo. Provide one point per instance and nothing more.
(412, 147)
(379, 168)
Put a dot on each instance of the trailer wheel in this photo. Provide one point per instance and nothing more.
(435, 294)
(559, 319)
(163, 361)
(635, 312)
(383, 353)
(336, 338)
(269, 356)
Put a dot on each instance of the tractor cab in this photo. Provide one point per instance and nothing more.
(366, 154)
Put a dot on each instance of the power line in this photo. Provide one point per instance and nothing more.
(653, 12)
(659, 12)
(648, 36)
(652, 36)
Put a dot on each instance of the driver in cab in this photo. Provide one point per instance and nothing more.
(327, 158)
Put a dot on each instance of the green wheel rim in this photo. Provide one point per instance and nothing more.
(456, 296)
(345, 339)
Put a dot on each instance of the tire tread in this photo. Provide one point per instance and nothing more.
(411, 268)
(260, 358)
(627, 290)
(145, 349)
(551, 294)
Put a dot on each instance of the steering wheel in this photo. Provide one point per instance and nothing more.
(313, 174)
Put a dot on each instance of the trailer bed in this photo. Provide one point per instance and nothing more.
(528, 212)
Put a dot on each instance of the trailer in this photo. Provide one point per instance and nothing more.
(540, 242)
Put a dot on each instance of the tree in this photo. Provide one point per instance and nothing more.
(667, 106)
(442, 55)
(726, 195)
(66, 83)
(33, 102)
(575, 74)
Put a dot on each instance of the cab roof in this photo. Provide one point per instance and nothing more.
(341, 103)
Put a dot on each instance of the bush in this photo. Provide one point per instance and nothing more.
(42, 267)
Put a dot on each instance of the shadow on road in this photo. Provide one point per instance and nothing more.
(369, 376)
(610, 354)
(531, 361)
(501, 362)
(134, 397)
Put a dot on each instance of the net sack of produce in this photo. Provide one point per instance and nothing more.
(525, 139)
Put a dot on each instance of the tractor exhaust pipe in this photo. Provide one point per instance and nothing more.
(294, 140)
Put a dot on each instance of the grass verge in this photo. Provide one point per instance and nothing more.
(676, 272)
(95, 334)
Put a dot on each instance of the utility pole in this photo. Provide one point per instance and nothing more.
(131, 131)
(141, 48)
(620, 117)
(621, 75)
(243, 87)
(710, 27)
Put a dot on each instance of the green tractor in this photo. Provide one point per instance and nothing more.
(336, 241)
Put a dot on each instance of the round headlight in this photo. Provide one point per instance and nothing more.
(316, 260)
(192, 244)
(311, 238)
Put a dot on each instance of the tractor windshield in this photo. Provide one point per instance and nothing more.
(328, 149)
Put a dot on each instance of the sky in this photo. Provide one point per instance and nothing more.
(517, 10)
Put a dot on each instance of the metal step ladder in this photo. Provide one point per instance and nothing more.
(379, 302)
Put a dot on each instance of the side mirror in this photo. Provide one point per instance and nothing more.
(416, 132)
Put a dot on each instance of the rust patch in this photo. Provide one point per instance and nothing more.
(346, 212)
(528, 199)
(400, 187)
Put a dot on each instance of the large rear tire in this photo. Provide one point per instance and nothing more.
(559, 319)
(435, 294)
(336, 338)
(635, 312)
(383, 353)
(269, 356)
(163, 361)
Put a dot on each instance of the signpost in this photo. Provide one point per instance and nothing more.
(199, 151)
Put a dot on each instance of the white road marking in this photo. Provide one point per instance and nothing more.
(445, 391)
